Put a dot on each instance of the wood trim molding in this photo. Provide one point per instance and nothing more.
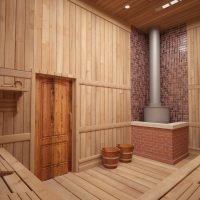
(33, 110)
(77, 112)
(194, 124)
(191, 87)
(104, 127)
(6, 139)
(89, 158)
(90, 164)
(46, 72)
(194, 151)
(193, 24)
(15, 73)
(106, 85)
(102, 14)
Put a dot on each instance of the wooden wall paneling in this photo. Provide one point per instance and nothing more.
(93, 118)
(59, 36)
(38, 15)
(45, 35)
(69, 39)
(1, 113)
(66, 36)
(19, 125)
(19, 62)
(8, 126)
(78, 29)
(93, 47)
(102, 47)
(20, 34)
(2, 31)
(98, 49)
(193, 31)
(27, 124)
(72, 35)
(98, 119)
(83, 44)
(106, 65)
(29, 35)
(33, 122)
(101, 14)
(52, 35)
(88, 75)
(75, 124)
(10, 34)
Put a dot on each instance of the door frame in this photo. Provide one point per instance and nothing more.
(33, 119)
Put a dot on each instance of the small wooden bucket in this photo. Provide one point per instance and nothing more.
(126, 152)
(110, 157)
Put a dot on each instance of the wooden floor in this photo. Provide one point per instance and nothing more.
(127, 182)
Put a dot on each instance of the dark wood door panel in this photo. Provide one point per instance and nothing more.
(53, 154)
(53, 132)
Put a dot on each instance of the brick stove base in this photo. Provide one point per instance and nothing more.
(164, 145)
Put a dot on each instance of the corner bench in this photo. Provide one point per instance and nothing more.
(18, 183)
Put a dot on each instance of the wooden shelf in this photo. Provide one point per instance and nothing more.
(13, 89)
(8, 105)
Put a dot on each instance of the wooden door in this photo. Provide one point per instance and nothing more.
(53, 132)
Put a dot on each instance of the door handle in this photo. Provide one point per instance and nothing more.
(70, 120)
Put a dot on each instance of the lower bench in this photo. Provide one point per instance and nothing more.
(18, 183)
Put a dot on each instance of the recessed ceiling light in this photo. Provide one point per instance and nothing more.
(171, 3)
(127, 6)
(165, 5)
(174, 2)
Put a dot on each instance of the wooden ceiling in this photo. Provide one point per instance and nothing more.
(143, 15)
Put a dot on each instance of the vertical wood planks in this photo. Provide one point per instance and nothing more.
(64, 38)
(2, 31)
(59, 41)
(29, 35)
(10, 33)
(38, 15)
(193, 32)
(20, 34)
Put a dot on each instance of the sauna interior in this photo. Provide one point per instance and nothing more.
(99, 100)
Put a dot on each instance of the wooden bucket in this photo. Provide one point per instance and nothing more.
(110, 157)
(126, 152)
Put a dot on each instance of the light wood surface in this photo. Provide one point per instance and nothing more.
(193, 32)
(67, 38)
(140, 179)
(21, 184)
(170, 183)
(15, 117)
(128, 181)
(144, 14)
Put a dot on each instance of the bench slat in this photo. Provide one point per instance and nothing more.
(15, 183)
(3, 187)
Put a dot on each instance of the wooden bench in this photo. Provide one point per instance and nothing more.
(182, 184)
(18, 183)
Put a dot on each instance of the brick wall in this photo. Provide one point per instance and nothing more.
(165, 145)
(139, 74)
(174, 83)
